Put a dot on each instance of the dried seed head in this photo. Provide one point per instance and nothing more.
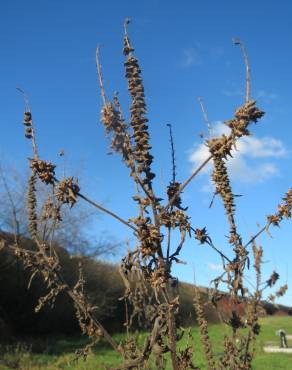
(51, 297)
(67, 191)
(258, 255)
(141, 151)
(114, 124)
(44, 170)
(235, 321)
(27, 120)
(274, 220)
(31, 206)
(159, 278)
(202, 235)
(273, 279)
(28, 133)
(51, 211)
(281, 291)
(244, 116)
(149, 237)
(223, 187)
(172, 190)
(220, 147)
(203, 326)
(185, 358)
(284, 211)
(144, 203)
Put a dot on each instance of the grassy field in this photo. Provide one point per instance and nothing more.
(59, 353)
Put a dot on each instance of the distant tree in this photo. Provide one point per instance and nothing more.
(73, 233)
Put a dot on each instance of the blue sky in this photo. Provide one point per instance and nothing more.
(185, 51)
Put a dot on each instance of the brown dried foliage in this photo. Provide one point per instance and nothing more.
(151, 293)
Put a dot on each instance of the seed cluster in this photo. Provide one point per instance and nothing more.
(185, 357)
(51, 211)
(203, 326)
(32, 206)
(284, 210)
(114, 124)
(202, 235)
(148, 235)
(273, 279)
(44, 170)
(222, 184)
(67, 191)
(243, 117)
(141, 150)
(27, 121)
(173, 191)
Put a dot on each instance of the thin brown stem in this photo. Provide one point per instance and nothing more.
(205, 116)
(15, 249)
(33, 136)
(168, 242)
(150, 196)
(105, 210)
(179, 247)
(106, 335)
(254, 302)
(252, 239)
(100, 79)
(172, 340)
(172, 152)
(188, 180)
(218, 251)
(238, 42)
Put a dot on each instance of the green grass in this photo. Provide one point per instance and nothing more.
(59, 352)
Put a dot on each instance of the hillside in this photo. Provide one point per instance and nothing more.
(103, 286)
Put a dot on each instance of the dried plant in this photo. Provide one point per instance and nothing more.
(151, 294)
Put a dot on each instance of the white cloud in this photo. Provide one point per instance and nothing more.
(261, 148)
(214, 267)
(251, 162)
(190, 57)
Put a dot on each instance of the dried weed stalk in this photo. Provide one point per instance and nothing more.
(151, 292)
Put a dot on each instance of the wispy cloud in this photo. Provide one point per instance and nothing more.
(214, 267)
(233, 92)
(263, 95)
(194, 56)
(266, 96)
(190, 57)
(251, 162)
(216, 51)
